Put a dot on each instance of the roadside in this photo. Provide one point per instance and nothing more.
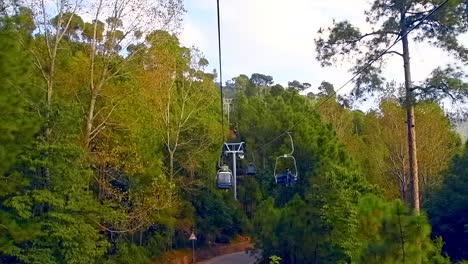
(233, 258)
(184, 256)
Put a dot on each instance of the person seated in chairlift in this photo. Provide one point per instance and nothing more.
(288, 175)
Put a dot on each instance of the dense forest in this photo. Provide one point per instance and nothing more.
(111, 135)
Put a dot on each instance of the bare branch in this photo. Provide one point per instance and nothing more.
(99, 127)
(380, 32)
(394, 52)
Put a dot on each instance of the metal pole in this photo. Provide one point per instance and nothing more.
(228, 110)
(193, 251)
(234, 180)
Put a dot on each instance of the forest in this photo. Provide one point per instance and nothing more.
(112, 131)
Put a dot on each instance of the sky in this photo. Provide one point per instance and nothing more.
(276, 37)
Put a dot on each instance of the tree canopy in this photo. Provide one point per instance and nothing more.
(111, 136)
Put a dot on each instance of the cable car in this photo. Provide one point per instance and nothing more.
(224, 178)
(251, 169)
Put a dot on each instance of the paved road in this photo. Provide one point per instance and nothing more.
(234, 258)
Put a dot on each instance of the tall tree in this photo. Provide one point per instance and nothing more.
(298, 86)
(52, 29)
(392, 20)
(259, 84)
(126, 23)
(182, 94)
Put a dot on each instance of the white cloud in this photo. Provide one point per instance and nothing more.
(276, 37)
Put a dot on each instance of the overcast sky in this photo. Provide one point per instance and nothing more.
(276, 37)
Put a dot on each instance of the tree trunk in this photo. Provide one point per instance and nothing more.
(141, 238)
(49, 105)
(402, 240)
(171, 163)
(89, 120)
(412, 149)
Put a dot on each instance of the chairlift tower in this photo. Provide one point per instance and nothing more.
(236, 150)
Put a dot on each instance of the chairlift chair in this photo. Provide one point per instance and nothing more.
(286, 178)
(283, 177)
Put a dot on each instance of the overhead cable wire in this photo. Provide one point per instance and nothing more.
(220, 70)
(355, 75)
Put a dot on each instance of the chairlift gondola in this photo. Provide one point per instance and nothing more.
(251, 169)
(224, 174)
(224, 178)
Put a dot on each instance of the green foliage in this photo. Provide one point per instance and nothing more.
(129, 253)
(447, 208)
(160, 242)
(388, 233)
(249, 194)
(62, 202)
(377, 143)
(446, 83)
(18, 124)
(119, 165)
(315, 220)
(275, 260)
(18, 121)
(57, 208)
(70, 23)
(218, 218)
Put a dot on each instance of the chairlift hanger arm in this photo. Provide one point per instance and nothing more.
(234, 147)
(292, 145)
